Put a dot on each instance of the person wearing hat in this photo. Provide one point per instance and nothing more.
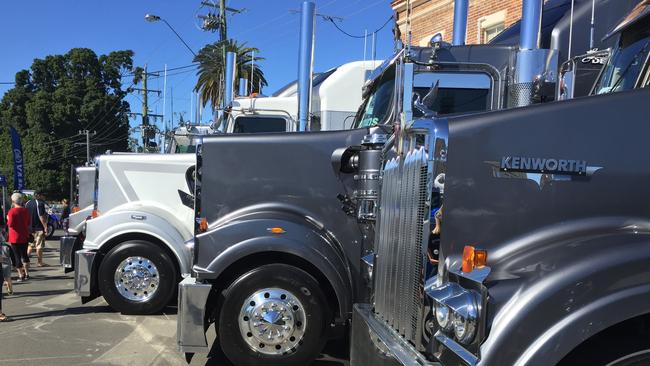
(38, 214)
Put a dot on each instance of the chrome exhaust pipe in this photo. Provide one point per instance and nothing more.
(305, 63)
(460, 22)
(229, 78)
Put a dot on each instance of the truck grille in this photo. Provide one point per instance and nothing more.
(400, 251)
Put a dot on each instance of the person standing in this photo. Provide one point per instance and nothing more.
(6, 259)
(18, 221)
(38, 214)
(65, 215)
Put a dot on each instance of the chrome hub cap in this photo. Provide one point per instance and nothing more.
(137, 279)
(272, 321)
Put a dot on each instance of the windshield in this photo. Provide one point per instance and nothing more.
(377, 106)
(624, 66)
(182, 144)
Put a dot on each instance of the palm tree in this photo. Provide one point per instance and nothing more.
(211, 70)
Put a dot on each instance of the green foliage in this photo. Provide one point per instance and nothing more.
(212, 67)
(51, 102)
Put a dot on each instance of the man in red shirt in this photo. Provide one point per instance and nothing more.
(18, 221)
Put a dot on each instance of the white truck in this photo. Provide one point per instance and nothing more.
(336, 96)
(134, 252)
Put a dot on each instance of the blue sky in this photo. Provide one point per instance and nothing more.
(35, 29)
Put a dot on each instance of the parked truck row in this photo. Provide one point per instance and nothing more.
(470, 212)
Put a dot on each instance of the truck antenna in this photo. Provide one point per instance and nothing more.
(593, 25)
(408, 27)
(571, 29)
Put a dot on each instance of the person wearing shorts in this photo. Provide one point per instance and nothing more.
(18, 221)
(6, 259)
(38, 215)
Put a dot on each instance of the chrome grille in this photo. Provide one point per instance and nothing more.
(400, 246)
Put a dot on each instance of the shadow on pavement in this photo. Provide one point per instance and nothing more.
(80, 310)
(334, 353)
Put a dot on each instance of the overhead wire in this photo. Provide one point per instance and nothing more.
(331, 20)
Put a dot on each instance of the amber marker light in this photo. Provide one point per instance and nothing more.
(276, 230)
(203, 225)
(76, 209)
(94, 214)
(473, 258)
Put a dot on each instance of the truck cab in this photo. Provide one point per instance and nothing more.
(540, 254)
(336, 95)
(133, 245)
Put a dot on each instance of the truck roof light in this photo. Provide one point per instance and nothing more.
(94, 214)
(473, 258)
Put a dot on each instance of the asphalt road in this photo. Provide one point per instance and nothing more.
(51, 327)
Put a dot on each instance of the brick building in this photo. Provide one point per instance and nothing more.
(485, 19)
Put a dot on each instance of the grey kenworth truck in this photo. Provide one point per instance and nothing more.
(279, 253)
(538, 250)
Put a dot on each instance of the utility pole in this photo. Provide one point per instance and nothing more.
(148, 131)
(213, 22)
(88, 133)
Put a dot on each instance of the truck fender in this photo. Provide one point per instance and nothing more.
(105, 228)
(241, 239)
(598, 278)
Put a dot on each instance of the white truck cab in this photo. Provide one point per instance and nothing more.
(133, 253)
(336, 96)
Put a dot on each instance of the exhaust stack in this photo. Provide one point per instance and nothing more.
(243, 87)
(531, 62)
(305, 63)
(531, 24)
(460, 22)
(229, 78)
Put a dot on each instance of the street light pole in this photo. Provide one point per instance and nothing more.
(154, 18)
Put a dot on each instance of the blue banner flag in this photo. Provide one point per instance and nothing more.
(19, 169)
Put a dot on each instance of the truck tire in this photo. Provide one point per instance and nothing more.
(137, 277)
(273, 315)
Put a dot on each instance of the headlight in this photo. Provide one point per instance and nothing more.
(456, 311)
(464, 328)
(443, 317)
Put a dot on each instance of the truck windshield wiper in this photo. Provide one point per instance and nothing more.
(629, 66)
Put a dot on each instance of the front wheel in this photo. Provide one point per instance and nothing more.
(137, 277)
(273, 315)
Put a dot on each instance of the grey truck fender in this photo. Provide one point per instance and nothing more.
(559, 287)
(119, 225)
(223, 248)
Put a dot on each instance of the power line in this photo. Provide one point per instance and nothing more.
(331, 20)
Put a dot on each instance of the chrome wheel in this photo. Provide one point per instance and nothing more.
(137, 279)
(272, 321)
(638, 358)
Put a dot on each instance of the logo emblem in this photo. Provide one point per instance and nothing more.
(541, 170)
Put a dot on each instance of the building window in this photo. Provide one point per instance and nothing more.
(490, 26)
(492, 31)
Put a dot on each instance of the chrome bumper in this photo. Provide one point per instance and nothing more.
(66, 251)
(190, 330)
(374, 344)
(83, 281)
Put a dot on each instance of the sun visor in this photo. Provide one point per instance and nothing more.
(640, 12)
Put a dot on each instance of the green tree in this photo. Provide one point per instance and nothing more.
(58, 96)
(212, 68)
